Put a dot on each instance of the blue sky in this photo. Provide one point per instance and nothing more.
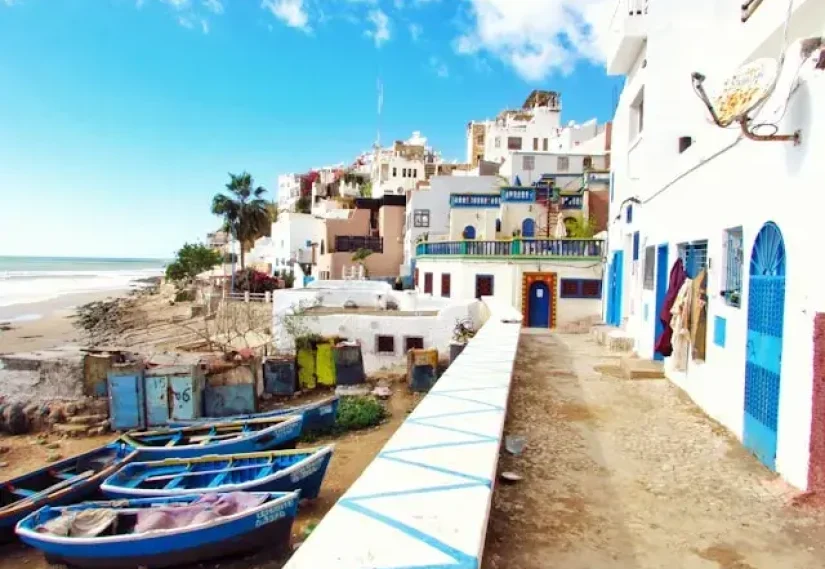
(119, 119)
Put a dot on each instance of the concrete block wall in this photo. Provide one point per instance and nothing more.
(425, 500)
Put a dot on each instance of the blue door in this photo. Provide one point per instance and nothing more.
(528, 228)
(185, 397)
(126, 400)
(157, 400)
(763, 364)
(538, 309)
(469, 232)
(614, 293)
(662, 278)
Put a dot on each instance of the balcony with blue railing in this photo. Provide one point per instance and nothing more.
(571, 202)
(475, 200)
(519, 248)
(518, 195)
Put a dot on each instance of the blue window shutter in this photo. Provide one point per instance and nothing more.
(629, 213)
(636, 246)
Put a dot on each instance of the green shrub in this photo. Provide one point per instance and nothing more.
(354, 414)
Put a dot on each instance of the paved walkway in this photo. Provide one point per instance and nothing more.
(630, 474)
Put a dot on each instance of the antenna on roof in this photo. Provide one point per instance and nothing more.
(380, 110)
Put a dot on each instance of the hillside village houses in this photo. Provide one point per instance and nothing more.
(719, 223)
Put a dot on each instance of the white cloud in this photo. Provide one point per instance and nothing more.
(178, 4)
(214, 6)
(381, 33)
(439, 67)
(415, 32)
(204, 26)
(290, 12)
(186, 22)
(538, 37)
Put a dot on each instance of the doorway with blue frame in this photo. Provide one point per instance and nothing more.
(539, 300)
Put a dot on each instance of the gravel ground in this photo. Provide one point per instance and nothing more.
(630, 474)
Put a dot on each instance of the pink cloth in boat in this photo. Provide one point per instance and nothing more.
(207, 508)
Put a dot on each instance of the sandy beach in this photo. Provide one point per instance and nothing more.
(46, 324)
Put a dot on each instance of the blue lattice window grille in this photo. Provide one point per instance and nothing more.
(581, 288)
(694, 256)
(650, 268)
(629, 213)
(732, 291)
(636, 246)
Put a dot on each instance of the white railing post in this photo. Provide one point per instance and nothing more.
(267, 296)
(246, 296)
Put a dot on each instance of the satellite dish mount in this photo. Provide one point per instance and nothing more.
(742, 96)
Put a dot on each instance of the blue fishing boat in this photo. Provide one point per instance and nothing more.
(160, 532)
(233, 437)
(317, 415)
(65, 482)
(275, 471)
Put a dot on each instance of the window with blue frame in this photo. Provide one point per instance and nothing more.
(636, 246)
(650, 266)
(694, 256)
(629, 213)
(733, 267)
(581, 288)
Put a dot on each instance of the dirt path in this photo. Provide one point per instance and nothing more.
(621, 474)
(353, 452)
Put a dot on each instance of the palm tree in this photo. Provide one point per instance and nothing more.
(244, 211)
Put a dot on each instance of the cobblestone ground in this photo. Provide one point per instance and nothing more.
(630, 474)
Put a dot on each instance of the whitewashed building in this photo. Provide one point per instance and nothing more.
(292, 239)
(535, 127)
(744, 212)
(289, 190)
(402, 167)
(511, 245)
(428, 210)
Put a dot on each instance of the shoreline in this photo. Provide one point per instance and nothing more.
(53, 327)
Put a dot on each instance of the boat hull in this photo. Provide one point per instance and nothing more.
(317, 416)
(281, 436)
(71, 494)
(264, 526)
(305, 477)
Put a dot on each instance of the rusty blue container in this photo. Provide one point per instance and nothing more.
(226, 400)
(349, 364)
(279, 376)
(172, 393)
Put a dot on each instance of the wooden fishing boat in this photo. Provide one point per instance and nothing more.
(317, 415)
(160, 532)
(274, 471)
(233, 437)
(65, 482)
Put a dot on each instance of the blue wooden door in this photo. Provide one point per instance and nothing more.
(538, 308)
(763, 364)
(662, 280)
(614, 294)
(157, 400)
(528, 228)
(126, 401)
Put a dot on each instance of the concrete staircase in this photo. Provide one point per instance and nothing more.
(636, 368)
(614, 339)
(618, 342)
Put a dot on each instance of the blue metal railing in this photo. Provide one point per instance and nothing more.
(571, 202)
(475, 200)
(523, 195)
(516, 247)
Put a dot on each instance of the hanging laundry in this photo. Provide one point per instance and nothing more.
(677, 278)
(680, 325)
(699, 315)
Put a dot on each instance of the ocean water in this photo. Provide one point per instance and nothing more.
(25, 280)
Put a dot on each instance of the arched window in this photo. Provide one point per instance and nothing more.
(469, 232)
(528, 228)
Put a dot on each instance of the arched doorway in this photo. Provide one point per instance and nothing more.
(538, 312)
(469, 232)
(528, 228)
(763, 354)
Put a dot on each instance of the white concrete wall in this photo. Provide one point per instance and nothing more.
(508, 278)
(289, 238)
(289, 190)
(392, 497)
(482, 218)
(548, 163)
(722, 182)
(436, 331)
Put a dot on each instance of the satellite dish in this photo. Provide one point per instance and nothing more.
(745, 90)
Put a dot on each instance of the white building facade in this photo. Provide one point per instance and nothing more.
(292, 239)
(289, 190)
(739, 213)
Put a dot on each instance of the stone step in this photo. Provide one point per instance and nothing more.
(71, 430)
(635, 368)
(87, 419)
